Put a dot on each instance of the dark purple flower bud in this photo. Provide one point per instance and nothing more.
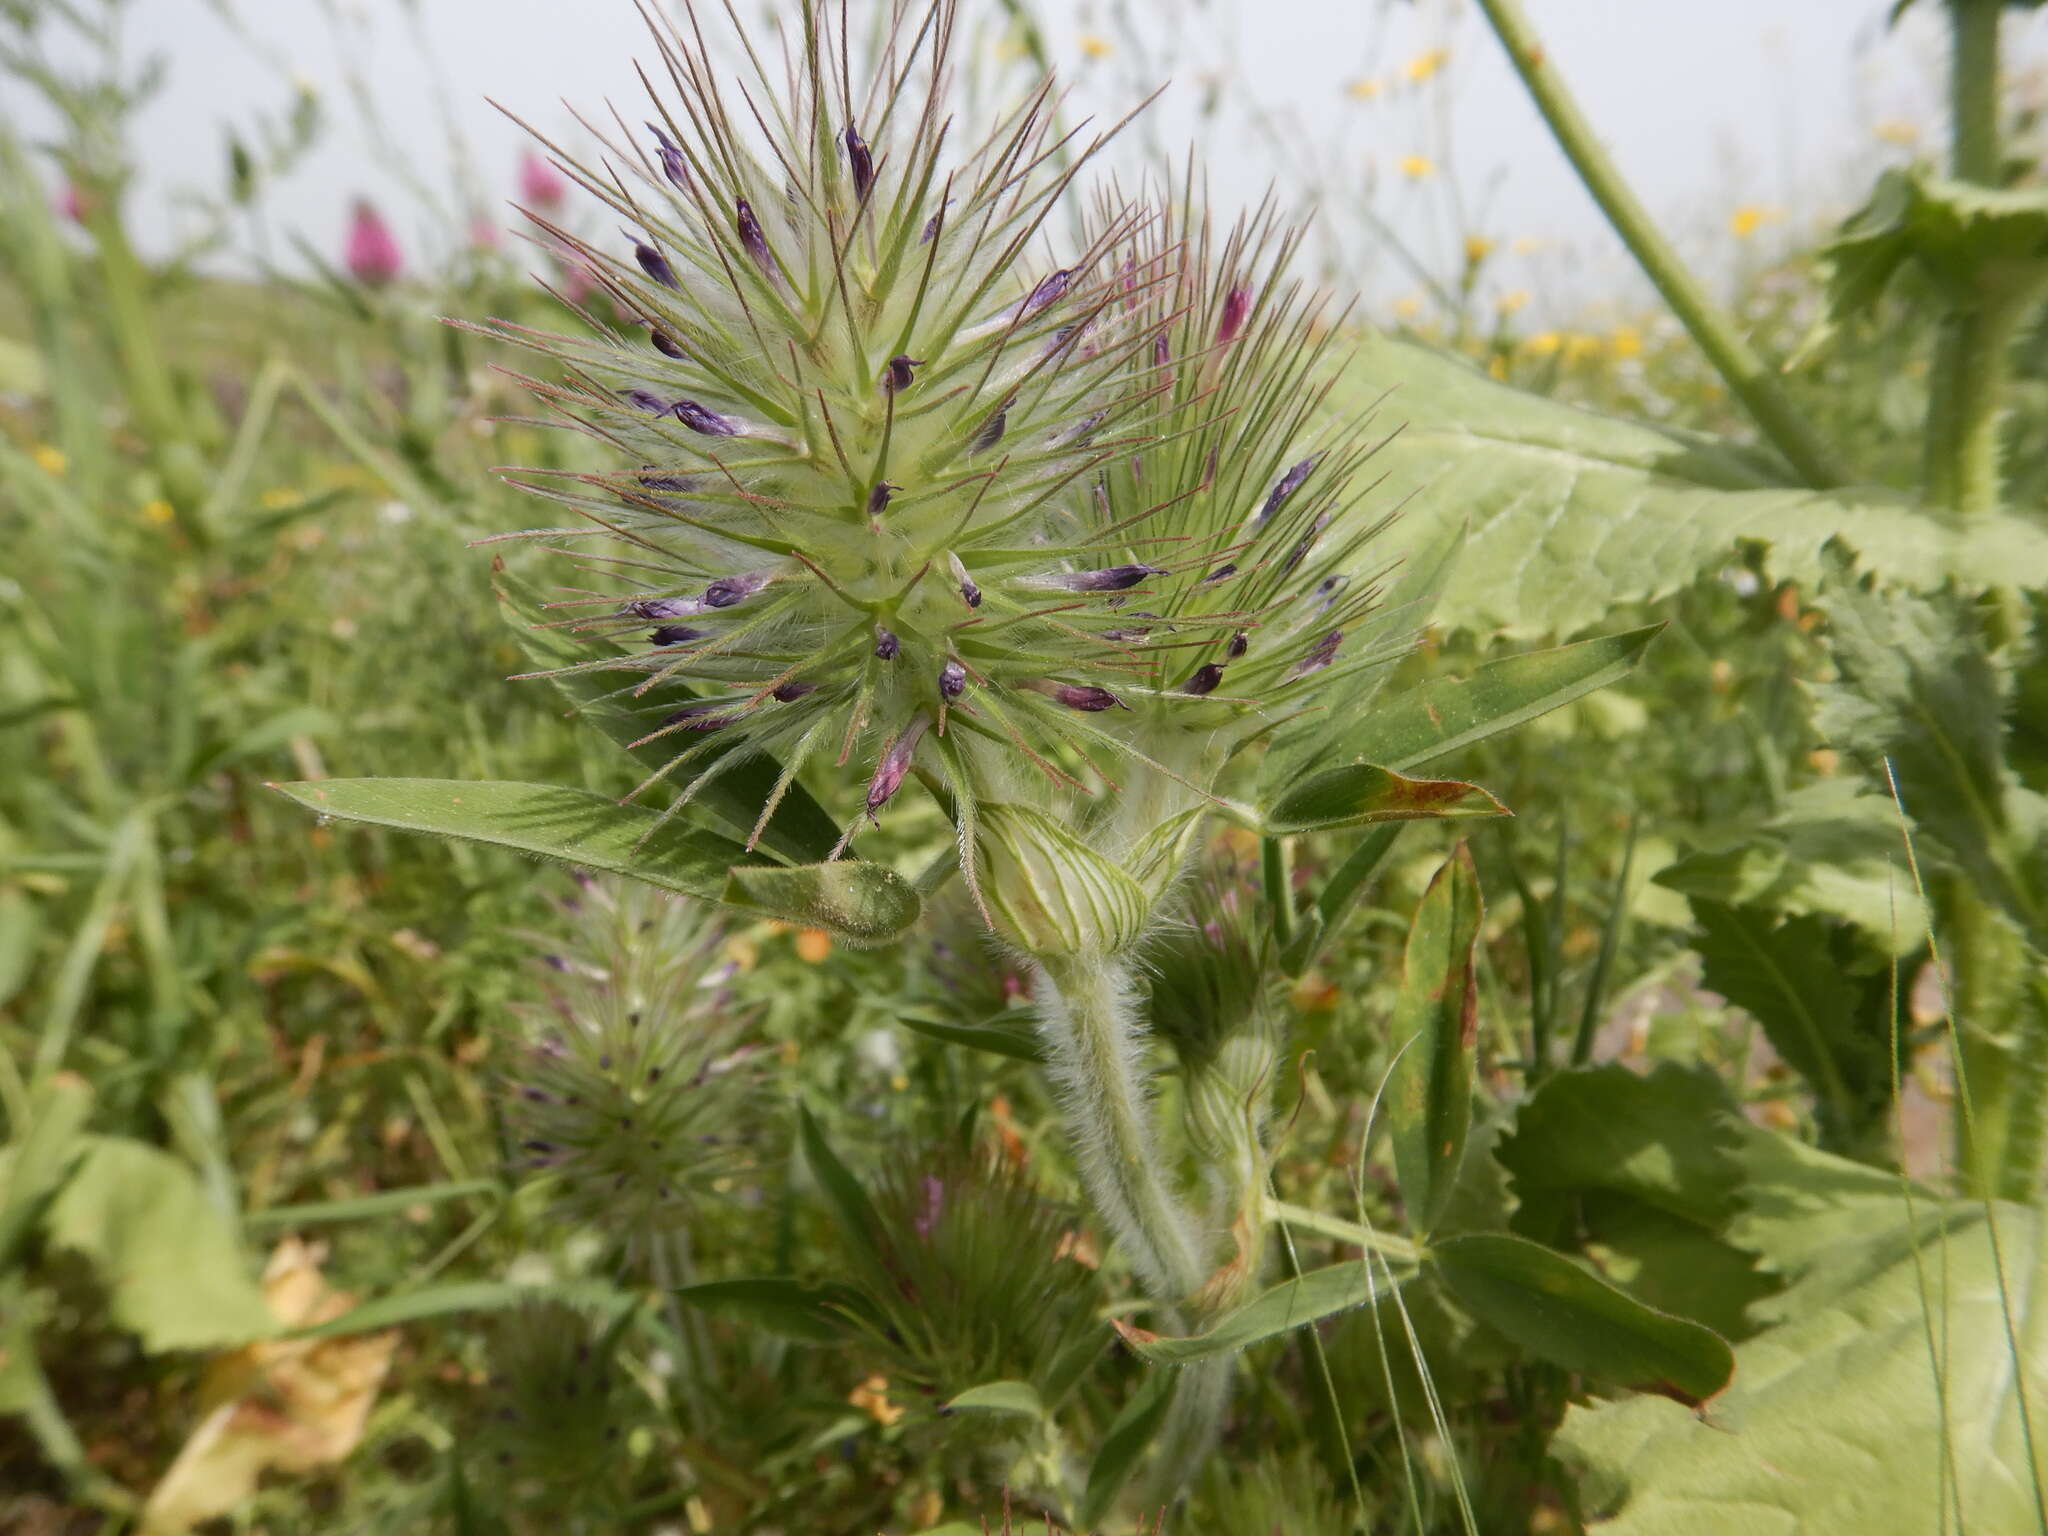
(752, 238)
(1236, 305)
(1206, 677)
(789, 693)
(970, 593)
(1221, 573)
(1088, 699)
(862, 162)
(1078, 435)
(878, 498)
(1162, 350)
(655, 265)
(900, 375)
(660, 482)
(1239, 644)
(952, 680)
(727, 590)
(701, 717)
(894, 765)
(1285, 487)
(1050, 290)
(648, 401)
(1300, 551)
(1113, 578)
(666, 346)
(700, 418)
(1327, 591)
(991, 431)
(675, 634)
(659, 608)
(671, 160)
(1324, 653)
(886, 644)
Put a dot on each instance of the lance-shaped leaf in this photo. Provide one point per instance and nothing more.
(850, 1203)
(1439, 717)
(1287, 1306)
(1129, 1433)
(1563, 1314)
(864, 903)
(1007, 1033)
(1362, 794)
(1434, 1026)
(1015, 1399)
(799, 830)
(570, 826)
(785, 1307)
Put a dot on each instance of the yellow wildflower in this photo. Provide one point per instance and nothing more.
(50, 459)
(1748, 219)
(1626, 341)
(158, 511)
(1408, 308)
(1898, 130)
(1580, 348)
(1497, 367)
(1543, 343)
(1526, 245)
(813, 945)
(1424, 65)
(1095, 46)
(871, 1397)
(1363, 89)
(1477, 249)
(1415, 167)
(1512, 300)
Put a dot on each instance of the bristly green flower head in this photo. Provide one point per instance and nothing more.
(633, 1100)
(909, 487)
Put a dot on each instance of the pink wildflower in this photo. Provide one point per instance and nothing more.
(372, 255)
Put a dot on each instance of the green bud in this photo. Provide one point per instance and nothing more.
(1049, 892)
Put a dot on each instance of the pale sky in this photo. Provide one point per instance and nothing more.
(1787, 107)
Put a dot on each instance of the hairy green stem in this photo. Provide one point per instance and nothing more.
(1752, 380)
(1092, 1037)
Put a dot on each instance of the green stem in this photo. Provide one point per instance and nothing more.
(1971, 358)
(1092, 1039)
(1752, 380)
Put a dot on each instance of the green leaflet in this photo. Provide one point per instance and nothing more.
(1015, 1399)
(1434, 1027)
(1285, 1307)
(999, 1034)
(808, 1314)
(1572, 513)
(1568, 1316)
(1362, 794)
(864, 903)
(1440, 717)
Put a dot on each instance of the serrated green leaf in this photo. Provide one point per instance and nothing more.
(1001, 1034)
(1832, 848)
(1364, 794)
(800, 829)
(1561, 1313)
(1434, 1027)
(1017, 1399)
(1825, 1007)
(173, 1269)
(1573, 513)
(810, 1314)
(569, 826)
(1285, 1307)
(867, 904)
(1835, 1421)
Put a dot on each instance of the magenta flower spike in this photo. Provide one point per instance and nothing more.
(540, 184)
(371, 255)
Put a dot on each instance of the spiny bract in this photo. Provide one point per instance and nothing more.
(898, 482)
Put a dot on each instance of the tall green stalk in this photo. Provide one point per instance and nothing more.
(1753, 381)
(1092, 1037)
